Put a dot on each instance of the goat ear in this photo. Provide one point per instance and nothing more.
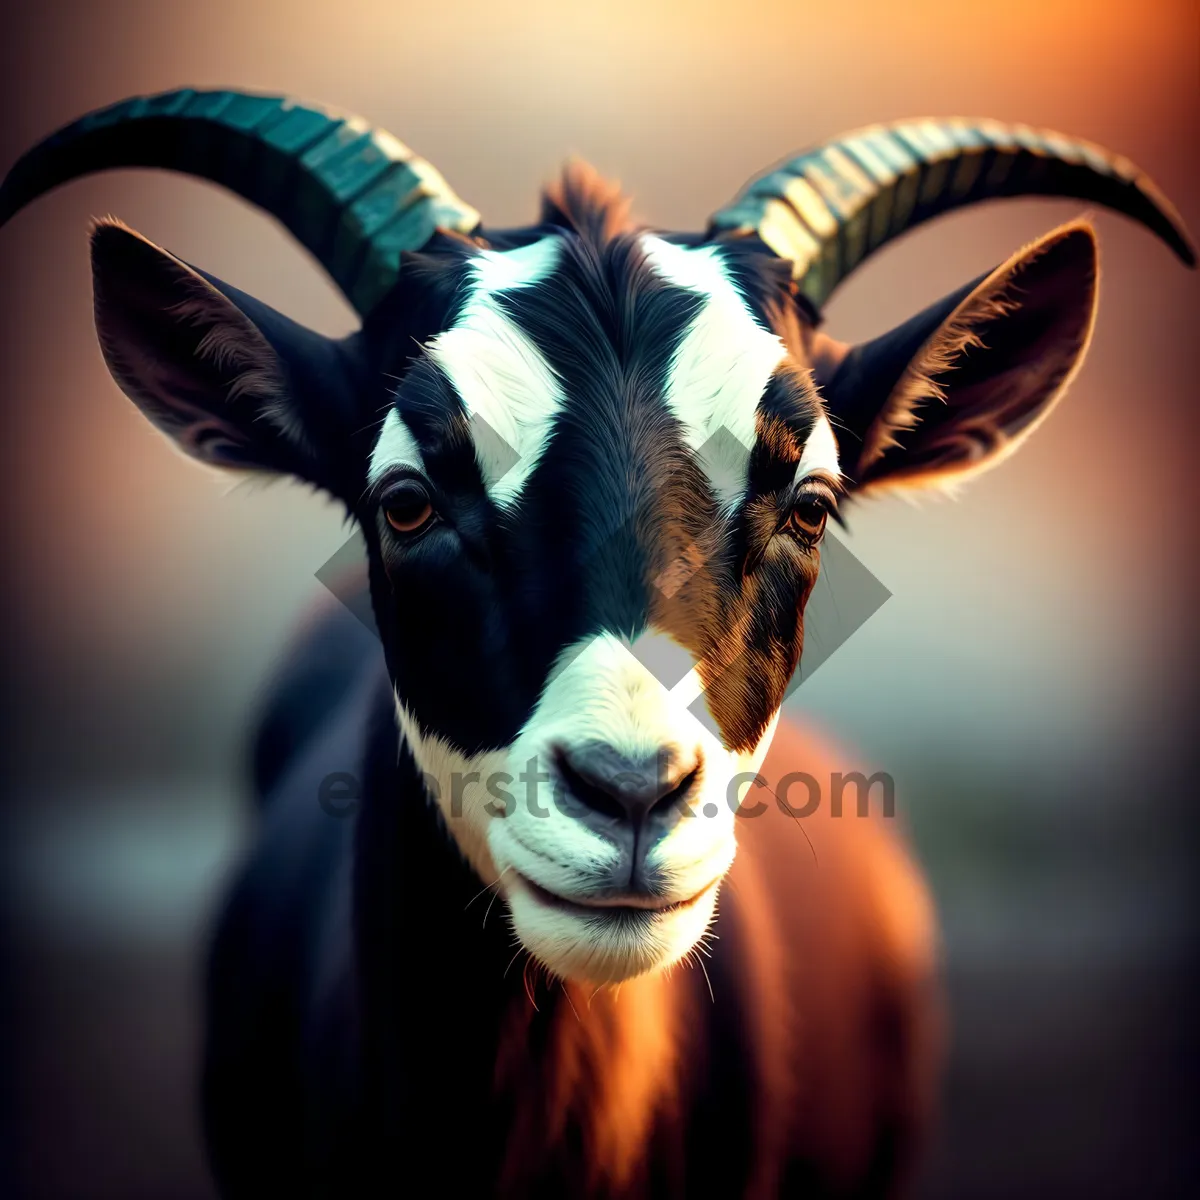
(958, 387)
(210, 367)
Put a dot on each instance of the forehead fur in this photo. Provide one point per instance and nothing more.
(612, 429)
(594, 316)
(720, 368)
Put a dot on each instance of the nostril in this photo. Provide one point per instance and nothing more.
(678, 794)
(612, 784)
(594, 795)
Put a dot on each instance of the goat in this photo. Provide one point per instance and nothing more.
(586, 458)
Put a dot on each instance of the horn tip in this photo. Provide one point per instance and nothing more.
(1166, 221)
(1186, 249)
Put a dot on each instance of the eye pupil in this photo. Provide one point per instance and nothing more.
(808, 518)
(407, 507)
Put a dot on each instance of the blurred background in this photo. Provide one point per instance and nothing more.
(1030, 685)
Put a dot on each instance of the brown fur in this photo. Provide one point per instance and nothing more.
(583, 200)
(837, 976)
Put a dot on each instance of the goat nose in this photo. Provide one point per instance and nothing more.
(614, 785)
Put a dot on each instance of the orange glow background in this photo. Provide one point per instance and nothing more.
(1030, 685)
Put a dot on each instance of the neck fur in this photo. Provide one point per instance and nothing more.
(551, 1062)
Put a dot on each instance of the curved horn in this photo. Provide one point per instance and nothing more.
(833, 206)
(354, 196)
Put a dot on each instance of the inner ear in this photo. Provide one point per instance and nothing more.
(189, 358)
(993, 369)
(958, 386)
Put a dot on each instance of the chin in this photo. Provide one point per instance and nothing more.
(607, 944)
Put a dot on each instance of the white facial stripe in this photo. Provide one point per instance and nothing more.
(499, 374)
(396, 447)
(721, 367)
(820, 452)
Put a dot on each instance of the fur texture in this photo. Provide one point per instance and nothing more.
(616, 431)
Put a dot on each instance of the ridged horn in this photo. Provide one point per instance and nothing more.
(352, 195)
(830, 208)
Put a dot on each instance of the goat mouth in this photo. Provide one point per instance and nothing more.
(630, 907)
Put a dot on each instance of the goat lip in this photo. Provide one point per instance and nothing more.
(614, 905)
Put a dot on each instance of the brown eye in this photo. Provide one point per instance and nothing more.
(407, 507)
(808, 517)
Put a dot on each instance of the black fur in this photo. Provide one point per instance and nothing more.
(358, 1006)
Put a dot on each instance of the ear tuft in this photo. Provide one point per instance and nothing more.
(919, 384)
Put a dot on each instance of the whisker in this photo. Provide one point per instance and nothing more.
(486, 887)
(567, 993)
(528, 990)
(492, 901)
(784, 807)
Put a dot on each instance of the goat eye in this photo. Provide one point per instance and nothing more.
(407, 507)
(808, 517)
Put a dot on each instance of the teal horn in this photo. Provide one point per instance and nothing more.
(830, 208)
(353, 196)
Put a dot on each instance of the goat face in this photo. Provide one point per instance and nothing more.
(594, 512)
(593, 492)
(592, 465)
